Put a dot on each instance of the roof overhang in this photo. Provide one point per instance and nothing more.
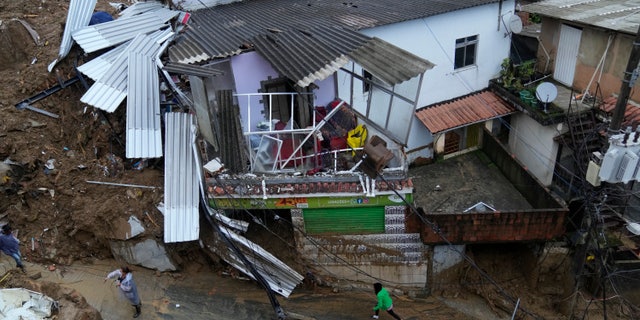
(474, 108)
(306, 56)
(617, 15)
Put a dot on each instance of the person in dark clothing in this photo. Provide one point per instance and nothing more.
(10, 245)
(384, 302)
(127, 287)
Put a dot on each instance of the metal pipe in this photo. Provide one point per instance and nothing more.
(121, 184)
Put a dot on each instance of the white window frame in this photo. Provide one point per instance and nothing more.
(466, 43)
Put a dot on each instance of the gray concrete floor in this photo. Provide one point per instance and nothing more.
(464, 181)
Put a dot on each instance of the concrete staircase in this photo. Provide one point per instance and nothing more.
(394, 256)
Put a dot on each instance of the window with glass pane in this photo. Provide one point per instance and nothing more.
(465, 51)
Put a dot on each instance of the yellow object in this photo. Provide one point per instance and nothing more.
(357, 137)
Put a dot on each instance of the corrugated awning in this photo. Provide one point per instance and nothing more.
(470, 109)
(306, 56)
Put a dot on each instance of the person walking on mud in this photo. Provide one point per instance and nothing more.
(127, 286)
(10, 245)
(384, 302)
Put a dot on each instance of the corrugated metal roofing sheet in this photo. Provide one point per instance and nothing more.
(98, 66)
(225, 30)
(389, 63)
(470, 109)
(143, 102)
(109, 34)
(300, 56)
(111, 87)
(310, 55)
(618, 15)
(181, 192)
(188, 51)
(79, 15)
(192, 70)
(281, 278)
(141, 7)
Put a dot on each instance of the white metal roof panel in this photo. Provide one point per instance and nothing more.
(281, 278)
(141, 7)
(98, 66)
(181, 192)
(143, 138)
(79, 16)
(108, 34)
(111, 88)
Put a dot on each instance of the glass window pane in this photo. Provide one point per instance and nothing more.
(459, 58)
(470, 56)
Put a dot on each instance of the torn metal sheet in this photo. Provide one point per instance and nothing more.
(238, 225)
(281, 278)
(112, 33)
(141, 7)
(143, 102)
(32, 32)
(79, 15)
(191, 5)
(98, 66)
(108, 92)
(191, 70)
(20, 303)
(181, 196)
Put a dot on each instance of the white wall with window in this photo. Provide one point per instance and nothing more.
(474, 34)
(466, 47)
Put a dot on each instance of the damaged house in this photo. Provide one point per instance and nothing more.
(323, 106)
(311, 113)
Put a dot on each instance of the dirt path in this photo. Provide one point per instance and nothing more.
(204, 294)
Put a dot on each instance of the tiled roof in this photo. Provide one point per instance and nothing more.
(631, 113)
(473, 108)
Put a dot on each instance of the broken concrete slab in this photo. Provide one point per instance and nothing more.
(20, 303)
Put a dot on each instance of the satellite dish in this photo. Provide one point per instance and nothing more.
(546, 92)
(515, 24)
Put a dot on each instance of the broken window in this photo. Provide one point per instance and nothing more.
(366, 83)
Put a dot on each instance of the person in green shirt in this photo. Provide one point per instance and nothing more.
(384, 302)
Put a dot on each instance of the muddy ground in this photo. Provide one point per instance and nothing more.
(46, 196)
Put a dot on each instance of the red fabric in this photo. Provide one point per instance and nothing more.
(288, 145)
(338, 143)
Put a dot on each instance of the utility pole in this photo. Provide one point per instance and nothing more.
(628, 81)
